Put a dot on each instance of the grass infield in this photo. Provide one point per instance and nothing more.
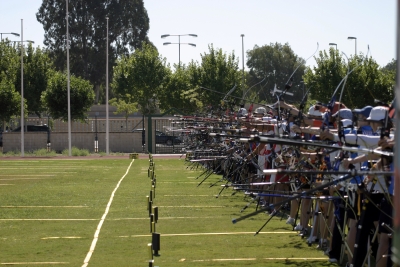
(50, 210)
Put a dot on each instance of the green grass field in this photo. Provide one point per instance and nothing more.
(50, 210)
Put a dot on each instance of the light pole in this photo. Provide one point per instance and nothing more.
(242, 35)
(179, 42)
(355, 39)
(333, 44)
(22, 91)
(68, 90)
(13, 33)
(107, 125)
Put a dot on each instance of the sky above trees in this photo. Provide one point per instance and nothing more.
(302, 24)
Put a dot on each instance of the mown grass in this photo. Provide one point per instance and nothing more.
(75, 152)
(50, 209)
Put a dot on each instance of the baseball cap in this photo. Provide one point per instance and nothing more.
(344, 114)
(313, 112)
(260, 110)
(347, 122)
(365, 111)
(242, 112)
(377, 113)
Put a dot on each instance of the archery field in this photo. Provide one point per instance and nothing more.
(94, 212)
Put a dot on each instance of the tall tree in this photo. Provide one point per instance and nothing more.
(9, 61)
(55, 98)
(10, 67)
(218, 72)
(125, 106)
(128, 27)
(10, 101)
(37, 66)
(142, 76)
(179, 91)
(364, 78)
(275, 62)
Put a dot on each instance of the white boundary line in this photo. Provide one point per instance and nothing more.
(96, 234)
(32, 263)
(200, 234)
(253, 259)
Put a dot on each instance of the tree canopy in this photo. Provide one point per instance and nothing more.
(276, 63)
(357, 76)
(140, 75)
(37, 67)
(128, 27)
(55, 98)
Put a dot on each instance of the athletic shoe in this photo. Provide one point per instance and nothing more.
(311, 239)
(290, 221)
(273, 213)
(333, 260)
(298, 227)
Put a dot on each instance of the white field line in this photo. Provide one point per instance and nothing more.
(115, 219)
(202, 234)
(192, 206)
(96, 234)
(11, 207)
(61, 237)
(18, 175)
(253, 259)
(188, 195)
(32, 263)
(177, 182)
(21, 220)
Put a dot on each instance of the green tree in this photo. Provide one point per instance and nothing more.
(37, 66)
(128, 27)
(9, 61)
(179, 92)
(125, 106)
(217, 72)
(142, 76)
(326, 76)
(55, 98)
(10, 101)
(364, 78)
(275, 62)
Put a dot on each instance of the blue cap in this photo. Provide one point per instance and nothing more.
(365, 111)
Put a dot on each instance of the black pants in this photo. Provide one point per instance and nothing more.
(365, 227)
(339, 224)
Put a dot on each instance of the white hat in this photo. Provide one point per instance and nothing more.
(260, 110)
(347, 122)
(344, 113)
(242, 112)
(377, 114)
(313, 112)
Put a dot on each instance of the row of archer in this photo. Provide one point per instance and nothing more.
(269, 158)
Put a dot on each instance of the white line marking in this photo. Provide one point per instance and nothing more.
(6, 184)
(48, 219)
(192, 206)
(31, 263)
(18, 175)
(253, 259)
(61, 237)
(188, 195)
(96, 234)
(200, 234)
(14, 179)
(44, 207)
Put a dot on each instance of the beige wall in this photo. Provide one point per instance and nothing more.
(124, 142)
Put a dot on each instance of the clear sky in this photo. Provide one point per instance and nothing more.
(300, 23)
